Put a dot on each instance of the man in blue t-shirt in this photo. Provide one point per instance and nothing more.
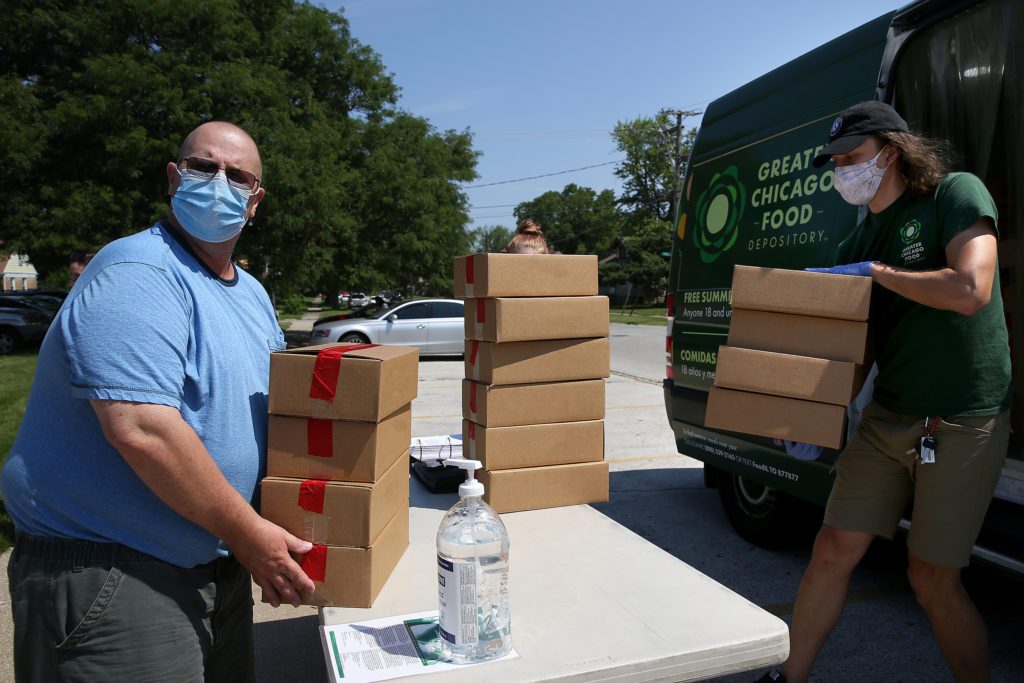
(132, 478)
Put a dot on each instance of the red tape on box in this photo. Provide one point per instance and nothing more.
(470, 275)
(472, 353)
(324, 382)
(481, 312)
(472, 397)
(472, 431)
(320, 437)
(314, 564)
(311, 495)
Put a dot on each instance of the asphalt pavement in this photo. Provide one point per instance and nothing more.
(660, 495)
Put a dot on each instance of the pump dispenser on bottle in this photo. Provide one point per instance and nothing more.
(472, 576)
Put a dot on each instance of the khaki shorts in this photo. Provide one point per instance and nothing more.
(879, 473)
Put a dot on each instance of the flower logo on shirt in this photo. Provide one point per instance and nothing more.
(911, 231)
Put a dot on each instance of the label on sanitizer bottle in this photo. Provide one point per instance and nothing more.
(457, 600)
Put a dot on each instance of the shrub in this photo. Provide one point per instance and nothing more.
(292, 305)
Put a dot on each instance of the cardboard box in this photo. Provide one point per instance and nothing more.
(335, 512)
(776, 417)
(353, 577)
(343, 381)
(525, 319)
(781, 374)
(528, 404)
(801, 335)
(311, 448)
(796, 291)
(490, 275)
(561, 443)
(533, 488)
(553, 360)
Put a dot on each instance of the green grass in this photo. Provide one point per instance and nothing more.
(641, 315)
(16, 371)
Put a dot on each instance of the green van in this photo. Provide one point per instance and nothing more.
(750, 196)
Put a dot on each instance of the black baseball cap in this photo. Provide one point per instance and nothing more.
(856, 124)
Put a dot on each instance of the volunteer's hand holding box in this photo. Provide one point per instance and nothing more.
(797, 354)
(337, 476)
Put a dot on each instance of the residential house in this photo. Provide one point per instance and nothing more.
(16, 273)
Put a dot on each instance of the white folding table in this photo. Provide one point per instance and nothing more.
(591, 601)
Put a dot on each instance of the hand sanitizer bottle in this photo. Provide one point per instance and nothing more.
(472, 576)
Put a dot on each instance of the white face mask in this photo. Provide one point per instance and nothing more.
(858, 183)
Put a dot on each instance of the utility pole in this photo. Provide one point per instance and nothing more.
(677, 158)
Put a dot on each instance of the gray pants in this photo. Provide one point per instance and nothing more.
(88, 611)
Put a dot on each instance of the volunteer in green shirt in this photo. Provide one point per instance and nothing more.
(935, 434)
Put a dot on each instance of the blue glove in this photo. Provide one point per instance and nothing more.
(802, 451)
(863, 269)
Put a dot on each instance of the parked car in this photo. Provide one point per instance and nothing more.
(20, 323)
(44, 302)
(54, 293)
(358, 299)
(343, 298)
(389, 296)
(434, 326)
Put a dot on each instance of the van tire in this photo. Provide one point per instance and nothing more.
(353, 338)
(765, 517)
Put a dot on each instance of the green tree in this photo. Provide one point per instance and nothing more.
(412, 217)
(646, 172)
(643, 265)
(646, 201)
(576, 220)
(97, 97)
(490, 238)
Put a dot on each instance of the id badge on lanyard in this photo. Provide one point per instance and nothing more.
(928, 442)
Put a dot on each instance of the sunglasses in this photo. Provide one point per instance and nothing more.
(206, 170)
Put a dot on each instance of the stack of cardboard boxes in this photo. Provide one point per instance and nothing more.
(797, 355)
(337, 471)
(533, 398)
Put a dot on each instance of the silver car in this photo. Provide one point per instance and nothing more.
(434, 326)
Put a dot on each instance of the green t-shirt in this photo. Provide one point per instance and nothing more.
(930, 361)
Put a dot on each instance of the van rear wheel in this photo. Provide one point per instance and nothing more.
(764, 516)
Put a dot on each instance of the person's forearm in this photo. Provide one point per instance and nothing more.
(167, 454)
(945, 289)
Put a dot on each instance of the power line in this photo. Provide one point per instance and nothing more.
(493, 206)
(493, 215)
(544, 175)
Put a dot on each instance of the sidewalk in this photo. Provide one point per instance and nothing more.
(304, 323)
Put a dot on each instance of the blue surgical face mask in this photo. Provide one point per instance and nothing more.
(210, 209)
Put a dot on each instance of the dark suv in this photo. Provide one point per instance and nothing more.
(20, 323)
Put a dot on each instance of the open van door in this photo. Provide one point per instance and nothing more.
(961, 78)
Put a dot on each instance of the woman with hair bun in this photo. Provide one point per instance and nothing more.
(529, 239)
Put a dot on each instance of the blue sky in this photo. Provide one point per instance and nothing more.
(541, 83)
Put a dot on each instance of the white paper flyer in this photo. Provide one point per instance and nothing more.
(383, 649)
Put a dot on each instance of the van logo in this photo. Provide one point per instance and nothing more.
(911, 231)
(836, 125)
(719, 209)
